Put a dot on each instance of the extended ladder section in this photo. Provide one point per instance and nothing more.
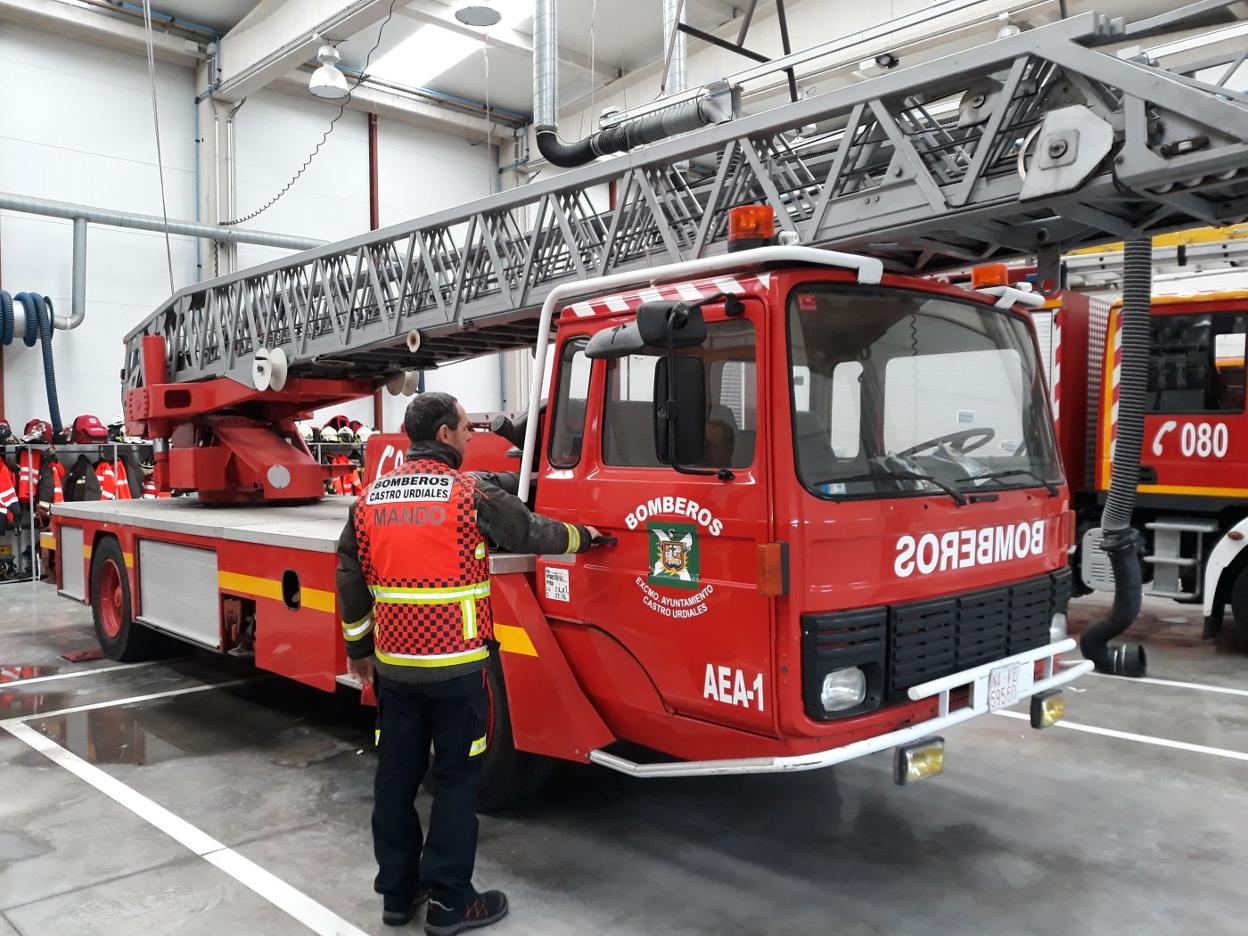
(1023, 146)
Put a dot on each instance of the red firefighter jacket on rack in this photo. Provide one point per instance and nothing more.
(29, 464)
(413, 565)
(51, 488)
(8, 494)
(348, 483)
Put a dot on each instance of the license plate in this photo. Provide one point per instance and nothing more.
(1003, 687)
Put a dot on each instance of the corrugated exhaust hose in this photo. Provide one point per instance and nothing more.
(1121, 540)
(38, 327)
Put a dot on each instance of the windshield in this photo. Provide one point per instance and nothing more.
(890, 384)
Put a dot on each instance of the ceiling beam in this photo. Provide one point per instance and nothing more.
(280, 35)
(439, 14)
(82, 23)
(724, 12)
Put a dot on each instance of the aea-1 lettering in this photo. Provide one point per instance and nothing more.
(730, 686)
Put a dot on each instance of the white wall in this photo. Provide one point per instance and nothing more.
(75, 125)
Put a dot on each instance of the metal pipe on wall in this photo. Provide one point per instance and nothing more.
(127, 219)
(374, 222)
(676, 41)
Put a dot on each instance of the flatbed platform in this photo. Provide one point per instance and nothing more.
(312, 527)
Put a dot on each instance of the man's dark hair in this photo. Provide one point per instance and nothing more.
(427, 413)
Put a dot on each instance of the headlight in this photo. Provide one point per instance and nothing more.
(843, 689)
(1057, 628)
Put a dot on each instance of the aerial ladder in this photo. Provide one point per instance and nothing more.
(1031, 145)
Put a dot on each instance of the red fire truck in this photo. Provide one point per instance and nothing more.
(1192, 503)
(840, 520)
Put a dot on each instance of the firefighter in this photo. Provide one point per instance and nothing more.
(414, 591)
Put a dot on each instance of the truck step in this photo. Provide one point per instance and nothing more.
(1185, 561)
(1183, 526)
(1177, 595)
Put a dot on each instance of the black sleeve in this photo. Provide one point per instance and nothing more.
(355, 600)
(507, 521)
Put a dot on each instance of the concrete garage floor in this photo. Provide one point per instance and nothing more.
(1027, 832)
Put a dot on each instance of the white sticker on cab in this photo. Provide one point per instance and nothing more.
(557, 587)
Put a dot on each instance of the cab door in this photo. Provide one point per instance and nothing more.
(680, 589)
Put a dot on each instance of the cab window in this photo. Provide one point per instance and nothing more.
(569, 415)
(731, 423)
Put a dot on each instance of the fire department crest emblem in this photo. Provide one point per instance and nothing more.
(675, 560)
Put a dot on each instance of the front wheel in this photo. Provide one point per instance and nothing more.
(120, 636)
(508, 776)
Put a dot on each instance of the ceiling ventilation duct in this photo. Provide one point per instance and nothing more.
(689, 114)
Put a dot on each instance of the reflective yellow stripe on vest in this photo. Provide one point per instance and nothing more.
(433, 659)
(477, 747)
(468, 608)
(431, 595)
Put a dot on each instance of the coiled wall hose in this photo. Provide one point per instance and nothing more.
(38, 311)
(1121, 541)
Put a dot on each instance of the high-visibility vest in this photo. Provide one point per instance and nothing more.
(348, 483)
(29, 462)
(427, 565)
(8, 493)
(108, 481)
(122, 481)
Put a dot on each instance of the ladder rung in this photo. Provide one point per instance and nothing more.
(1183, 526)
(1185, 561)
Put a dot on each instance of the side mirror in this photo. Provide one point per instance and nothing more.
(614, 343)
(684, 383)
(688, 328)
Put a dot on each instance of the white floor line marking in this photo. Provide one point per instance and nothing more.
(314, 916)
(168, 694)
(1174, 683)
(1142, 739)
(88, 672)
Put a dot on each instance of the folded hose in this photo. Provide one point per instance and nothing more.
(38, 312)
(1121, 541)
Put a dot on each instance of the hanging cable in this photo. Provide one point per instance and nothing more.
(328, 130)
(160, 162)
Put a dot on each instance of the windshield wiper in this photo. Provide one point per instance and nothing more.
(1015, 472)
(958, 497)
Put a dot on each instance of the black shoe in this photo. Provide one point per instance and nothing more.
(403, 916)
(487, 908)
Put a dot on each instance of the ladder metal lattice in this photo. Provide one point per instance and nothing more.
(919, 166)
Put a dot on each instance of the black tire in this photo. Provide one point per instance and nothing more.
(120, 636)
(508, 777)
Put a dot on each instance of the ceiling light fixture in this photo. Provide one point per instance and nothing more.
(478, 14)
(327, 81)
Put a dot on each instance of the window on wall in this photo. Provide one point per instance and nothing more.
(1196, 363)
(731, 391)
(568, 433)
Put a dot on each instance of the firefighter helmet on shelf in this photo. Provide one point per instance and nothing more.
(308, 431)
(36, 431)
(63, 437)
(88, 429)
(329, 434)
(363, 433)
(6, 432)
(346, 434)
(117, 429)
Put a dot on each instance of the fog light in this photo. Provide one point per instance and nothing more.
(1047, 708)
(1057, 628)
(843, 689)
(918, 761)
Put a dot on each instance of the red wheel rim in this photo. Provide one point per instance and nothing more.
(111, 599)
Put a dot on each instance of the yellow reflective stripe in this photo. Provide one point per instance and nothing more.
(479, 552)
(432, 660)
(376, 737)
(359, 629)
(574, 538)
(314, 599)
(512, 639)
(478, 747)
(430, 595)
(468, 608)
